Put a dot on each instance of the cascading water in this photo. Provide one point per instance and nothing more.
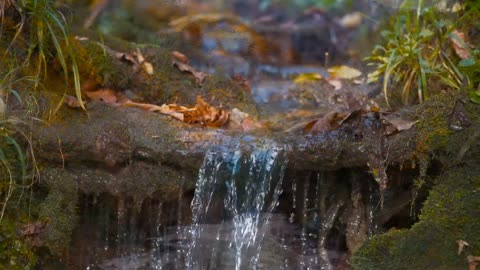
(235, 222)
(250, 184)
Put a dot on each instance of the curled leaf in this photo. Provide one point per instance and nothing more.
(461, 245)
(199, 76)
(328, 122)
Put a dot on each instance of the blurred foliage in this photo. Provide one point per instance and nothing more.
(303, 4)
(416, 58)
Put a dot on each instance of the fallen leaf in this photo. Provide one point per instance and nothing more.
(202, 114)
(137, 60)
(242, 120)
(73, 102)
(328, 122)
(307, 77)
(180, 57)
(206, 115)
(460, 44)
(335, 83)
(199, 76)
(344, 72)
(104, 95)
(33, 233)
(473, 261)
(351, 20)
(146, 66)
(130, 59)
(461, 245)
(395, 124)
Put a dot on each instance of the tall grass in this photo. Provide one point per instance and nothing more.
(44, 28)
(416, 58)
(13, 157)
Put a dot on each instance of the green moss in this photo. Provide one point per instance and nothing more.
(450, 213)
(15, 254)
(432, 126)
(59, 210)
(433, 129)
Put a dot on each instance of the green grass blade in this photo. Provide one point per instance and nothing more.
(21, 157)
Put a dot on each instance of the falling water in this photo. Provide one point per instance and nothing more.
(250, 183)
(235, 221)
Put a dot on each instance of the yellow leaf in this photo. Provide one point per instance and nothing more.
(307, 77)
(344, 72)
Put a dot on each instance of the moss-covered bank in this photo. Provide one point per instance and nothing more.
(450, 213)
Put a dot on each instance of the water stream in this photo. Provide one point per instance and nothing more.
(235, 223)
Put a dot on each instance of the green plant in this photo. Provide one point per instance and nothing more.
(45, 27)
(417, 56)
(18, 171)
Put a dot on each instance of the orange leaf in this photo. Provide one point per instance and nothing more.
(180, 57)
(460, 44)
(103, 95)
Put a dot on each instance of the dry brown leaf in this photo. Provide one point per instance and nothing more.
(395, 124)
(180, 57)
(126, 57)
(104, 95)
(242, 120)
(460, 44)
(199, 76)
(206, 115)
(473, 261)
(33, 233)
(328, 122)
(202, 114)
(461, 245)
(137, 60)
(73, 102)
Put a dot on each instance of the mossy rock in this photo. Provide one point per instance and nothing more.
(166, 85)
(59, 210)
(450, 213)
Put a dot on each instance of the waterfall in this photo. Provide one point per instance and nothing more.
(250, 183)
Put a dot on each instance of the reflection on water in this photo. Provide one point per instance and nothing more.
(284, 246)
